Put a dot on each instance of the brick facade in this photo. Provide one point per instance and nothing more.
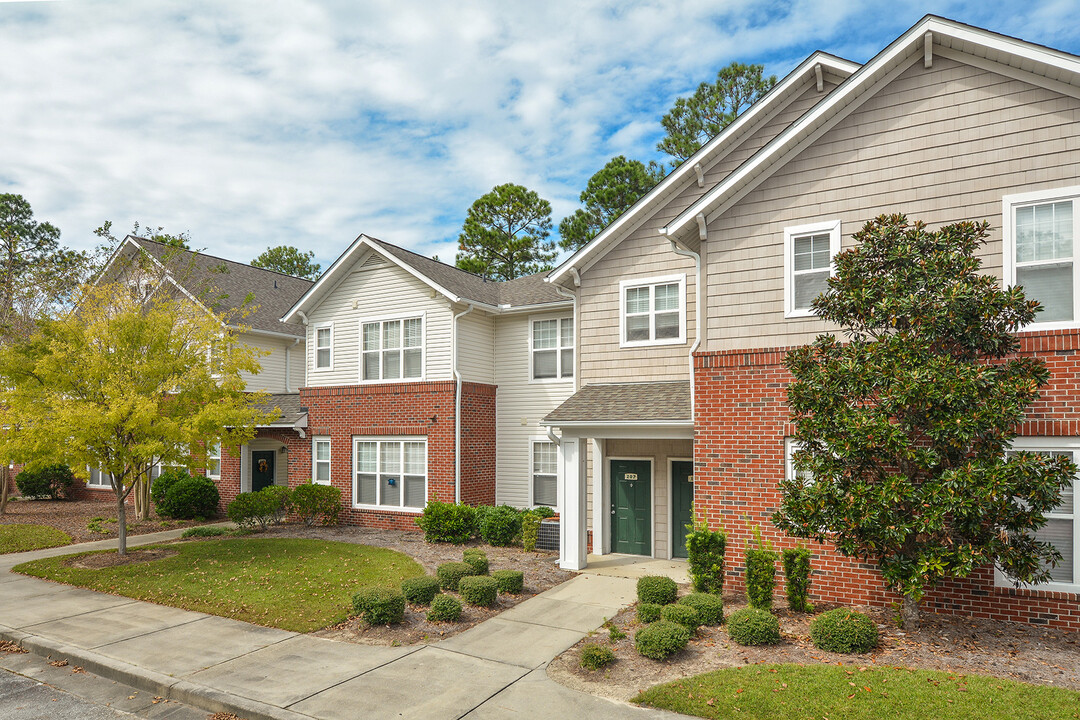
(739, 457)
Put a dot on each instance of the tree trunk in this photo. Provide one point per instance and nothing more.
(121, 516)
(141, 492)
(5, 480)
(909, 614)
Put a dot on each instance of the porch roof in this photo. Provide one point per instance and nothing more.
(643, 402)
(288, 409)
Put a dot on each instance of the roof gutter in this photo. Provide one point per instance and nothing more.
(457, 402)
(699, 313)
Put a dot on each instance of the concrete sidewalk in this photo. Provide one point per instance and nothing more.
(494, 670)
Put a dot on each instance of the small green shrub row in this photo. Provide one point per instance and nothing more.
(501, 526)
(479, 590)
(444, 608)
(269, 506)
(657, 589)
(420, 590)
(596, 656)
(205, 531)
(710, 608)
(450, 574)
(648, 612)
(844, 631)
(511, 582)
(796, 562)
(684, 615)
(379, 606)
(477, 559)
(54, 482)
(705, 550)
(760, 577)
(661, 639)
(753, 626)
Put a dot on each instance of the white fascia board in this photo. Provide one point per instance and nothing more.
(684, 173)
(245, 330)
(617, 423)
(512, 309)
(773, 155)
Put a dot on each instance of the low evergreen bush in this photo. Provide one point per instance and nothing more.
(159, 489)
(48, 481)
(753, 626)
(450, 574)
(710, 608)
(278, 501)
(476, 558)
(379, 606)
(444, 608)
(844, 631)
(648, 612)
(509, 581)
(448, 522)
(543, 512)
(705, 550)
(685, 615)
(596, 656)
(501, 526)
(661, 639)
(530, 531)
(314, 503)
(657, 589)
(193, 496)
(796, 562)
(420, 590)
(479, 590)
(205, 531)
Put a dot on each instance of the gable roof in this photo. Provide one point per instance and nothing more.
(709, 153)
(625, 403)
(457, 285)
(930, 35)
(225, 284)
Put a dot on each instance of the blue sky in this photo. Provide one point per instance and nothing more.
(251, 124)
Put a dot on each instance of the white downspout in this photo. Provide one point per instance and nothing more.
(457, 404)
(698, 313)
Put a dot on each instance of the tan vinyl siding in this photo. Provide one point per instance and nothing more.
(940, 145)
(271, 378)
(660, 452)
(518, 399)
(378, 292)
(296, 366)
(476, 341)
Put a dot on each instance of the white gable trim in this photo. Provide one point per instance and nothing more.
(899, 55)
(712, 152)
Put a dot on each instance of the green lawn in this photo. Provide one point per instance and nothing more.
(22, 538)
(298, 585)
(794, 692)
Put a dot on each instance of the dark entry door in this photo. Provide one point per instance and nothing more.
(631, 518)
(262, 469)
(682, 495)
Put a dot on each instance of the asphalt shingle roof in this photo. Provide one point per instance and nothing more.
(288, 406)
(626, 402)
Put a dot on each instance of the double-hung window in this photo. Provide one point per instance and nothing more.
(553, 348)
(324, 347)
(213, 461)
(545, 472)
(390, 473)
(1038, 233)
(808, 254)
(653, 311)
(97, 478)
(320, 460)
(392, 349)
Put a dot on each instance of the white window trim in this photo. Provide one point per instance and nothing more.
(390, 438)
(422, 317)
(1051, 443)
(315, 440)
(106, 485)
(213, 452)
(1009, 205)
(532, 475)
(315, 327)
(624, 285)
(790, 233)
(558, 350)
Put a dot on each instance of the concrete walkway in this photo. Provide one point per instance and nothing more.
(494, 670)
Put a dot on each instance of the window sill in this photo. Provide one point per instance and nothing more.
(391, 381)
(1048, 590)
(98, 487)
(652, 343)
(799, 314)
(550, 381)
(390, 509)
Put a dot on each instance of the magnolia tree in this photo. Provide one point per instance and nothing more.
(904, 429)
(128, 381)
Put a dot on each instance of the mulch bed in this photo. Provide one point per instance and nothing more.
(73, 516)
(1027, 653)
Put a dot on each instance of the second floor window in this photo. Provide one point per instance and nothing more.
(808, 254)
(324, 344)
(653, 311)
(392, 349)
(553, 348)
(1043, 236)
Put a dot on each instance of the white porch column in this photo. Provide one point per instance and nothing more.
(601, 515)
(573, 540)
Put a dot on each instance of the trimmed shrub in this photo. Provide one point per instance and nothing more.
(509, 581)
(479, 590)
(751, 626)
(685, 615)
(648, 612)
(543, 512)
(315, 503)
(844, 631)
(260, 508)
(760, 577)
(447, 522)
(420, 590)
(159, 489)
(205, 531)
(501, 526)
(193, 496)
(596, 656)
(661, 639)
(657, 589)
(476, 558)
(530, 531)
(450, 574)
(710, 608)
(705, 550)
(796, 563)
(444, 608)
(379, 606)
(279, 502)
(49, 481)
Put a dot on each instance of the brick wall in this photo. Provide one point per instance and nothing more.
(740, 425)
(298, 459)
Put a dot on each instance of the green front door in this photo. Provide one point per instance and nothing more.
(682, 495)
(631, 518)
(262, 469)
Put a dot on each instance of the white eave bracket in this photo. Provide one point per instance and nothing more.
(700, 175)
(928, 50)
(819, 78)
(702, 230)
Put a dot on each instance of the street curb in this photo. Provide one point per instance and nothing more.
(161, 685)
